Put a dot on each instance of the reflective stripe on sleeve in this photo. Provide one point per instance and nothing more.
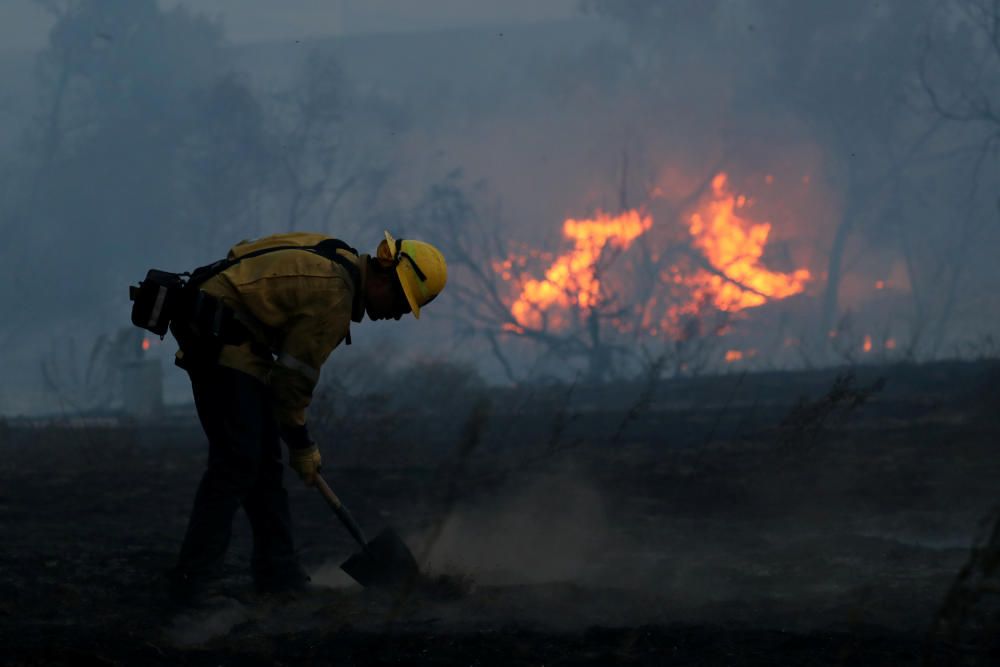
(288, 361)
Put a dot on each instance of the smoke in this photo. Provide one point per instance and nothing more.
(560, 551)
(551, 529)
(199, 627)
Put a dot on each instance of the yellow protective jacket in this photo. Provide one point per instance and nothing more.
(296, 303)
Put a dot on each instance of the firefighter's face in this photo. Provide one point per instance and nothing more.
(384, 298)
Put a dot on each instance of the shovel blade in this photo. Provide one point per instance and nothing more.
(387, 563)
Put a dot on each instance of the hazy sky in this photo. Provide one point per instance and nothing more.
(23, 25)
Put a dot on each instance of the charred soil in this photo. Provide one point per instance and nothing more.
(754, 520)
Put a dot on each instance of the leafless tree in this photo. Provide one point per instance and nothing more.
(477, 249)
(609, 337)
(959, 73)
(960, 76)
(229, 157)
(81, 382)
(318, 149)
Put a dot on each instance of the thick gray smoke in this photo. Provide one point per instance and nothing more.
(142, 134)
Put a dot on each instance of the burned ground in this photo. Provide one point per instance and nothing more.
(815, 518)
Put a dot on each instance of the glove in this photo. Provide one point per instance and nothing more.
(306, 461)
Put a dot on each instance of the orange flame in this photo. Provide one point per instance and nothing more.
(727, 276)
(867, 346)
(145, 345)
(739, 355)
(734, 246)
(571, 281)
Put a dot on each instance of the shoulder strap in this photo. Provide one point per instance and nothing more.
(327, 248)
(203, 273)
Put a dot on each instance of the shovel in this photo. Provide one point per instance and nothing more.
(384, 562)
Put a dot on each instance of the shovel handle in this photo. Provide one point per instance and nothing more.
(341, 511)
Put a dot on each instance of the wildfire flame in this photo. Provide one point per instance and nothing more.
(572, 279)
(733, 246)
(730, 276)
(739, 355)
(145, 345)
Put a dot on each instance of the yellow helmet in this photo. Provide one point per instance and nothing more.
(420, 267)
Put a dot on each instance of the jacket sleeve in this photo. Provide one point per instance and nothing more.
(317, 324)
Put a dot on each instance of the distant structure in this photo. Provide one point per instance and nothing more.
(141, 377)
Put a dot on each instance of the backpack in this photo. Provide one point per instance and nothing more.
(164, 297)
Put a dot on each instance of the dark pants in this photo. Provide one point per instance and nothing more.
(244, 468)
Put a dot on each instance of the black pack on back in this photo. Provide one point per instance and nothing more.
(156, 300)
(164, 296)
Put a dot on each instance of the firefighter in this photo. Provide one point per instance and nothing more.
(290, 303)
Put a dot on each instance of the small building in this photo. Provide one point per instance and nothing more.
(141, 376)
